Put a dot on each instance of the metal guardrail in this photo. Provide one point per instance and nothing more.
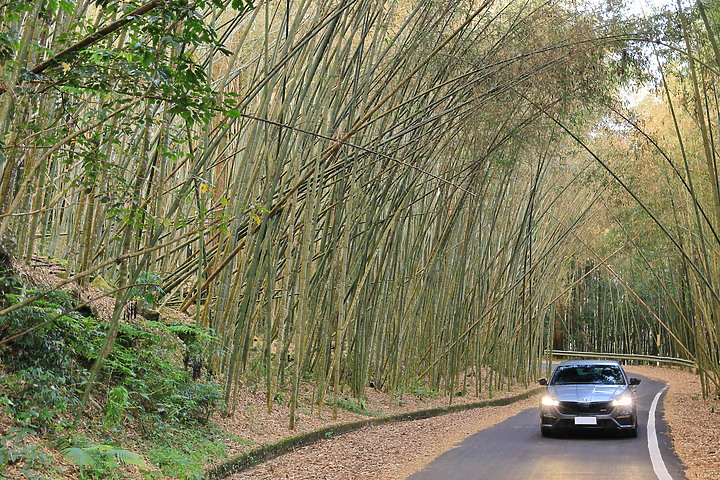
(625, 356)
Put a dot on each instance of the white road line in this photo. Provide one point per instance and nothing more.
(655, 456)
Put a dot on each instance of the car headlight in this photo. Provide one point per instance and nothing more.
(623, 401)
(549, 402)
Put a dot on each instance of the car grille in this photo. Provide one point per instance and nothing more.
(582, 408)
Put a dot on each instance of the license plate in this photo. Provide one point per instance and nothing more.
(585, 421)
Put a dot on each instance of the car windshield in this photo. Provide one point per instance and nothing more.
(595, 374)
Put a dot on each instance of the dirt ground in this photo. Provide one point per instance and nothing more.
(377, 453)
(396, 451)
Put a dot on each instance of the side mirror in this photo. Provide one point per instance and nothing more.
(543, 381)
(634, 381)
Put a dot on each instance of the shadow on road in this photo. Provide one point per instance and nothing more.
(592, 434)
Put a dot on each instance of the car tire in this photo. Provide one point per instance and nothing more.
(546, 432)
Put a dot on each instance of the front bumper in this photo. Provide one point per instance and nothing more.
(562, 417)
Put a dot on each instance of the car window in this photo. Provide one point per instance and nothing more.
(590, 374)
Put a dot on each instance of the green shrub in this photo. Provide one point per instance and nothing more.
(157, 385)
(147, 288)
(355, 406)
(54, 337)
(184, 453)
(117, 403)
(102, 461)
(14, 450)
(44, 370)
(196, 401)
(422, 392)
(45, 364)
(37, 397)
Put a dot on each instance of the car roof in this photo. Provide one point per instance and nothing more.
(572, 363)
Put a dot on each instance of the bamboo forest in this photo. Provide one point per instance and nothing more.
(309, 198)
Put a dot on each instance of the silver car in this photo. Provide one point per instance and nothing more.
(589, 394)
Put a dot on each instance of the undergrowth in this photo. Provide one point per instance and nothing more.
(356, 406)
(182, 453)
(153, 392)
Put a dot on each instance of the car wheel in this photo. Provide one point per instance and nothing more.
(546, 432)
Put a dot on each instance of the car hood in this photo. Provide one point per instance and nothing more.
(586, 393)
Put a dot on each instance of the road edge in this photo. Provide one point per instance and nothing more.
(656, 458)
(273, 450)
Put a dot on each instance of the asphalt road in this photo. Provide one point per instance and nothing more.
(514, 449)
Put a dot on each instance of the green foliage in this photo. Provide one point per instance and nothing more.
(196, 401)
(156, 56)
(148, 288)
(423, 392)
(47, 361)
(100, 461)
(118, 401)
(157, 385)
(356, 406)
(37, 397)
(14, 450)
(46, 368)
(183, 453)
(9, 284)
(58, 331)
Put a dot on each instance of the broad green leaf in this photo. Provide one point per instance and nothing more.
(80, 457)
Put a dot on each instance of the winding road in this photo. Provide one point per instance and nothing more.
(514, 449)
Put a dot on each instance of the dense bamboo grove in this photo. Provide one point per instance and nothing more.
(359, 193)
(649, 283)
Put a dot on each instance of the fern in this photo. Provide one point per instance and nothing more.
(187, 329)
(96, 456)
(82, 457)
(126, 457)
